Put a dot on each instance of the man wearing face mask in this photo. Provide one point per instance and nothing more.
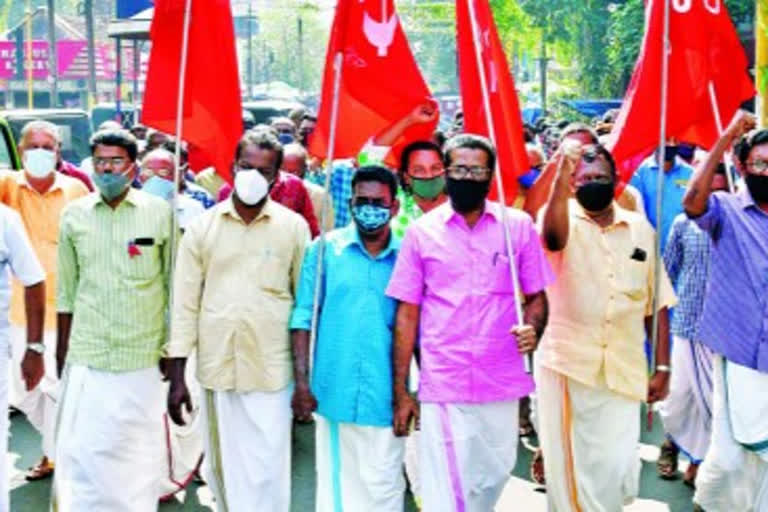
(236, 278)
(39, 194)
(295, 162)
(114, 265)
(453, 283)
(286, 130)
(677, 173)
(351, 384)
(591, 368)
(734, 322)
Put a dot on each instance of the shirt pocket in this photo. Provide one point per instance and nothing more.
(271, 271)
(632, 281)
(498, 276)
(144, 265)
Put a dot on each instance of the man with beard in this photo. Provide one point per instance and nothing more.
(734, 323)
(591, 369)
(456, 295)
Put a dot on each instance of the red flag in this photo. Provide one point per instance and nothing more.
(704, 49)
(380, 81)
(505, 108)
(212, 122)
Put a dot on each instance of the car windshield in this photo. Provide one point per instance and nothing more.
(75, 133)
(6, 160)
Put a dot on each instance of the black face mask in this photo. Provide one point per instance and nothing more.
(467, 195)
(670, 152)
(758, 187)
(595, 197)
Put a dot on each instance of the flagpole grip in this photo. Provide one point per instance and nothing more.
(719, 125)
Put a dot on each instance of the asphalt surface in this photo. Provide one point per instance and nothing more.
(520, 495)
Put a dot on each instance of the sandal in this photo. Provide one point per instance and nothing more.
(689, 478)
(666, 465)
(537, 468)
(43, 470)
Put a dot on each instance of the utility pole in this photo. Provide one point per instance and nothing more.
(543, 61)
(300, 30)
(92, 92)
(250, 49)
(53, 70)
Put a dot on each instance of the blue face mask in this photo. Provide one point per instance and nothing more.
(159, 187)
(370, 218)
(285, 138)
(528, 179)
(111, 185)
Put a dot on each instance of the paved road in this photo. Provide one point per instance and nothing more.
(520, 494)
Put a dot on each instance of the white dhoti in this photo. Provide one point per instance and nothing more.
(466, 454)
(109, 441)
(734, 474)
(183, 444)
(589, 439)
(687, 411)
(358, 467)
(5, 358)
(248, 449)
(40, 404)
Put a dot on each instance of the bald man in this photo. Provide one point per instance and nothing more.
(295, 161)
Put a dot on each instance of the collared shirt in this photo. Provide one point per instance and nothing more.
(18, 256)
(735, 318)
(675, 184)
(290, 192)
(40, 214)
(234, 289)
(317, 195)
(352, 373)
(460, 276)
(599, 301)
(340, 188)
(199, 194)
(114, 266)
(686, 259)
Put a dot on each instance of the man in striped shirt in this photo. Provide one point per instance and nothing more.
(113, 262)
(734, 323)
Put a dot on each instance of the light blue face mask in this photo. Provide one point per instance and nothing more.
(370, 218)
(159, 187)
(110, 184)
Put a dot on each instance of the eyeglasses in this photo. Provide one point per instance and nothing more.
(761, 166)
(373, 201)
(477, 172)
(114, 161)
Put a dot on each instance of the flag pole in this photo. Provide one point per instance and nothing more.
(659, 193)
(338, 61)
(719, 125)
(177, 147)
(497, 171)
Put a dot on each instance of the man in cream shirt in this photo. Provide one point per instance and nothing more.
(235, 284)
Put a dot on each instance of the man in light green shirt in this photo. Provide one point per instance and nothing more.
(112, 300)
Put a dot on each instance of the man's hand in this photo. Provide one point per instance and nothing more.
(743, 122)
(526, 338)
(406, 410)
(178, 394)
(658, 387)
(424, 113)
(303, 403)
(570, 153)
(32, 369)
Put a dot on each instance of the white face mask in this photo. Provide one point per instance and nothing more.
(250, 186)
(39, 163)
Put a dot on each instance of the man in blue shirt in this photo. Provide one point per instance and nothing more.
(358, 459)
(676, 176)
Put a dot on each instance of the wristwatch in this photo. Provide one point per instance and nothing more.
(37, 347)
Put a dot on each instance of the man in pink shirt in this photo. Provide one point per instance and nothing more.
(453, 281)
